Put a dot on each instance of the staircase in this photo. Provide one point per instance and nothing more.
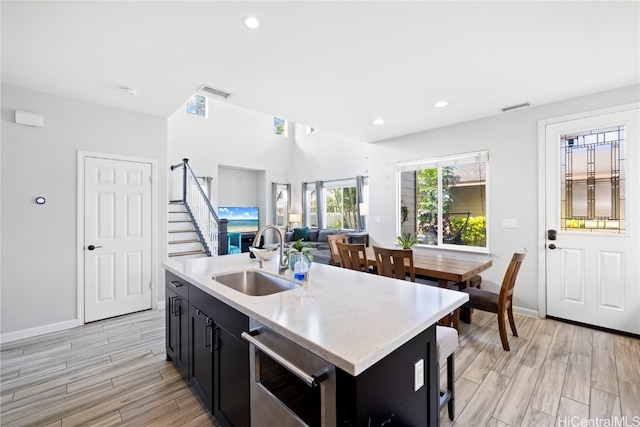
(183, 239)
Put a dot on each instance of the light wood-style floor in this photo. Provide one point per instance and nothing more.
(114, 372)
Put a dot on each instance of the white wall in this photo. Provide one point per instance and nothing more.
(39, 243)
(512, 141)
(240, 187)
(325, 156)
(229, 140)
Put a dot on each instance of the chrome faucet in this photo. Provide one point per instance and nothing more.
(282, 263)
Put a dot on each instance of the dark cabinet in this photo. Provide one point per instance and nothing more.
(203, 341)
(228, 359)
(201, 328)
(231, 384)
(246, 240)
(177, 323)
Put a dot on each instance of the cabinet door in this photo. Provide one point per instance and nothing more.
(201, 355)
(172, 338)
(231, 379)
(181, 316)
(177, 331)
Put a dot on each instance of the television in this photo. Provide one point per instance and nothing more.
(241, 219)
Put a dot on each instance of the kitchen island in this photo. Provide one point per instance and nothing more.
(373, 329)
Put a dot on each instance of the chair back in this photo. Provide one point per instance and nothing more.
(353, 256)
(508, 283)
(395, 263)
(332, 239)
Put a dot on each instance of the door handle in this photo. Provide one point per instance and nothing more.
(207, 333)
(91, 247)
(553, 246)
(215, 339)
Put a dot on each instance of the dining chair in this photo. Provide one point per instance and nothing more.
(353, 256)
(391, 263)
(446, 346)
(333, 249)
(499, 302)
(473, 282)
(394, 263)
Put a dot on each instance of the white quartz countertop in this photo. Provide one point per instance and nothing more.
(349, 318)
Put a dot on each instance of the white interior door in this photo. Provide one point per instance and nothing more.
(117, 237)
(592, 195)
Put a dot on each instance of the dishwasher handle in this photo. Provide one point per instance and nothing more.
(312, 380)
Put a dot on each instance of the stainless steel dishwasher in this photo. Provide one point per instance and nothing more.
(290, 386)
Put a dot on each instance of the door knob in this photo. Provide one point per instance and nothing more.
(91, 247)
(553, 246)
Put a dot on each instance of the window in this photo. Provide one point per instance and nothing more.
(281, 204)
(339, 205)
(197, 106)
(443, 200)
(593, 181)
(279, 126)
(310, 204)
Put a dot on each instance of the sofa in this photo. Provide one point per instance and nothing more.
(313, 237)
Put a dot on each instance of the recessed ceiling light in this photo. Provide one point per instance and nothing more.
(378, 121)
(252, 22)
(441, 104)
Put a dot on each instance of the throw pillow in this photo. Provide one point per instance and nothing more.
(301, 233)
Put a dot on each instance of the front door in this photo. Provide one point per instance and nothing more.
(592, 238)
(117, 237)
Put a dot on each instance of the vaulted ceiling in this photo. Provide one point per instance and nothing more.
(334, 65)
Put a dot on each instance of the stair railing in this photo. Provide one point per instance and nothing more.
(199, 209)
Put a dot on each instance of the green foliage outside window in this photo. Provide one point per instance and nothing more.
(475, 233)
(342, 208)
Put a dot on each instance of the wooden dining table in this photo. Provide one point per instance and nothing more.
(447, 269)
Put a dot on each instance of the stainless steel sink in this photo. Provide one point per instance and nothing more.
(255, 283)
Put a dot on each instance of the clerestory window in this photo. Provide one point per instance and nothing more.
(280, 126)
(197, 106)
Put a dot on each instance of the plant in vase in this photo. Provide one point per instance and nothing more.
(405, 240)
(299, 251)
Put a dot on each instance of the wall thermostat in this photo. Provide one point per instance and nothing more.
(40, 200)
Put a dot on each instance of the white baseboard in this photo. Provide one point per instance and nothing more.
(526, 311)
(39, 330)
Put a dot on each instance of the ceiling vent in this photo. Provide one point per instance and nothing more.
(515, 107)
(212, 91)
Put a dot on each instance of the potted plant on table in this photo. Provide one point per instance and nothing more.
(405, 240)
(299, 251)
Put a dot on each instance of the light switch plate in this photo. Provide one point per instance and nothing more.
(418, 375)
(509, 223)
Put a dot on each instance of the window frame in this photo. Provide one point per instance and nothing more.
(341, 184)
(313, 190)
(480, 156)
